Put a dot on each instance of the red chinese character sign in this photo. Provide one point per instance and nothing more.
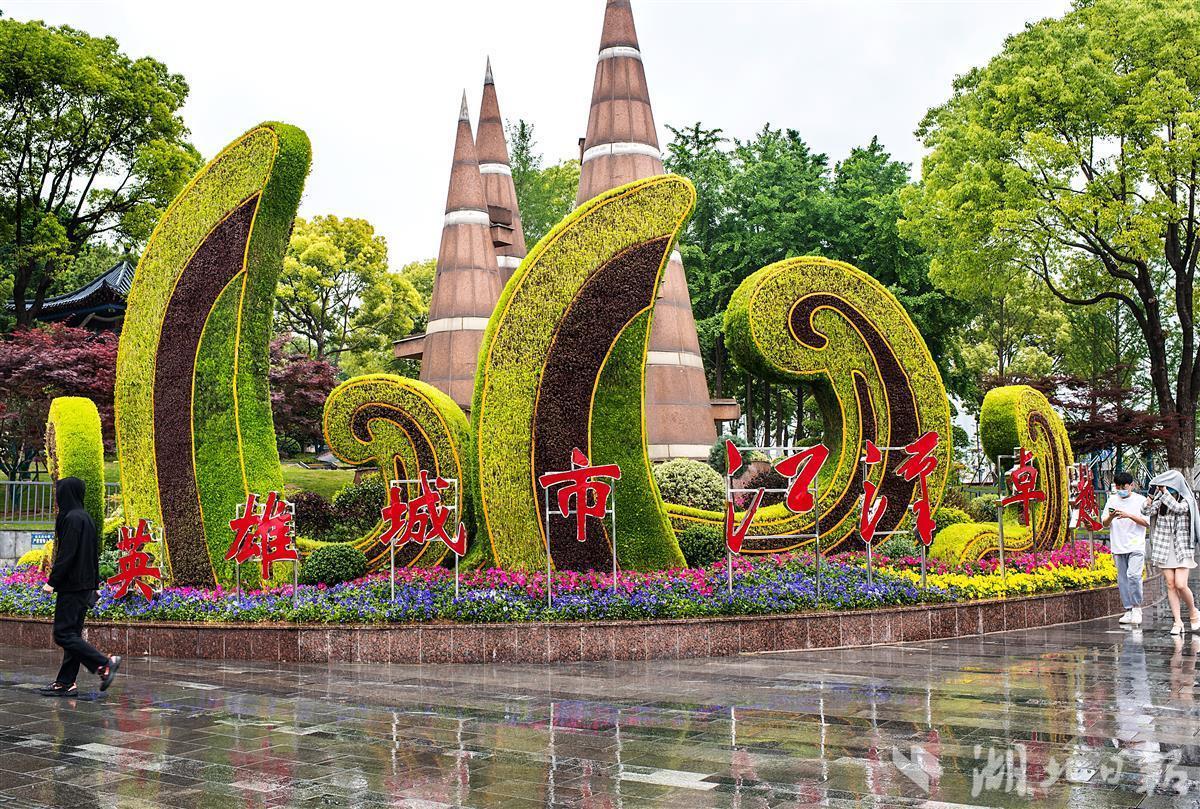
(585, 491)
(1085, 498)
(1023, 481)
(918, 466)
(422, 519)
(872, 507)
(134, 566)
(263, 533)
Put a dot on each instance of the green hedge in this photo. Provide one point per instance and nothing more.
(520, 343)
(75, 448)
(759, 334)
(1018, 416)
(333, 564)
(403, 426)
(232, 432)
(690, 483)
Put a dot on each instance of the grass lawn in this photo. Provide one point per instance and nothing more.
(322, 481)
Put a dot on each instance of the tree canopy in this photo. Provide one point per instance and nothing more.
(545, 194)
(336, 294)
(1071, 159)
(92, 148)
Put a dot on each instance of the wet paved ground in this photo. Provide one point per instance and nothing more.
(1077, 716)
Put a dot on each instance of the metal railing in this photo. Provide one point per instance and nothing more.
(30, 503)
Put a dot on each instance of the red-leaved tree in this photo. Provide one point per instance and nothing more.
(39, 364)
(299, 387)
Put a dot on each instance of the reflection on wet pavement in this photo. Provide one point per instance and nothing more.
(1076, 716)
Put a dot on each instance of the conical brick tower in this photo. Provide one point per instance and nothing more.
(466, 285)
(507, 237)
(622, 146)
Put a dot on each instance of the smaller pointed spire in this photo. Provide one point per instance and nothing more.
(507, 236)
(463, 114)
(487, 74)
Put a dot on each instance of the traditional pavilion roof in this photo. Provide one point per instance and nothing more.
(98, 303)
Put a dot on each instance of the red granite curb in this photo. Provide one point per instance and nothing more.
(574, 641)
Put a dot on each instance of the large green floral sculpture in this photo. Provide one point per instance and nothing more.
(562, 366)
(822, 322)
(194, 426)
(1012, 417)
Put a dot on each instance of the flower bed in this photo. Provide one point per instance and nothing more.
(784, 583)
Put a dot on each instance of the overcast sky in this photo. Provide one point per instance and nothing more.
(377, 84)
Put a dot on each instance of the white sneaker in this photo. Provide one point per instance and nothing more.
(1135, 616)
(1127, 618)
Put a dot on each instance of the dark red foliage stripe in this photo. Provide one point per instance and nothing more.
(604, 306)
(208, 272)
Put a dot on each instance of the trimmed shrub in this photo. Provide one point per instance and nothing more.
(314, 516)
(716, 453)
(193, 411)
(947, 516)
(333, 564)
(983, 508)
(402, 426)
(690, 483)
(356, 506)
(827, 324)
(75, 448)
(562, 366)
(702, 545)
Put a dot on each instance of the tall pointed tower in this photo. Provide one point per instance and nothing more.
(622, 146)
(507, 237)
(466, 285)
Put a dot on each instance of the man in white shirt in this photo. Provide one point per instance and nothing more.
(1127, 540)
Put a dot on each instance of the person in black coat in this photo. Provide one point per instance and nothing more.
(74, 579)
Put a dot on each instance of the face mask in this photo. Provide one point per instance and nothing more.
(1122, 493)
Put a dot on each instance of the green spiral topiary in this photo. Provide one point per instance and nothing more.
(193, 409)
(1018, 416)
(402, 426)
(562, 366)
(75, 448)
(823, 322)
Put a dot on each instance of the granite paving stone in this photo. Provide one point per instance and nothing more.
(1075, 715)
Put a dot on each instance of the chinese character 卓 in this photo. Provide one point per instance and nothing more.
(133, 568)
(590, 496)
(1024, 483)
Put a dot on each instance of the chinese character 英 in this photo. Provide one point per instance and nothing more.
(133, 568)
(1085, 499)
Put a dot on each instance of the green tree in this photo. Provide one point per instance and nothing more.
(335, 292)
(545, 194)
(420, 274)
(91, 145)
(1071, 157)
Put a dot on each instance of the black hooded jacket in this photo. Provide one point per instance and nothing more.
(76, 549)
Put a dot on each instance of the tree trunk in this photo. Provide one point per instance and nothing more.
(749, 408)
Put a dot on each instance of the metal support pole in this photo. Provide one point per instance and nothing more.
(613, 538)
(729, 568)
(1091, 548)
(237, 566)
(549, 594)
(923, 585)
(392, 554)
(1000, 532)
(870, 565)
(455, 574)
(295, 579)
(817, 533)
